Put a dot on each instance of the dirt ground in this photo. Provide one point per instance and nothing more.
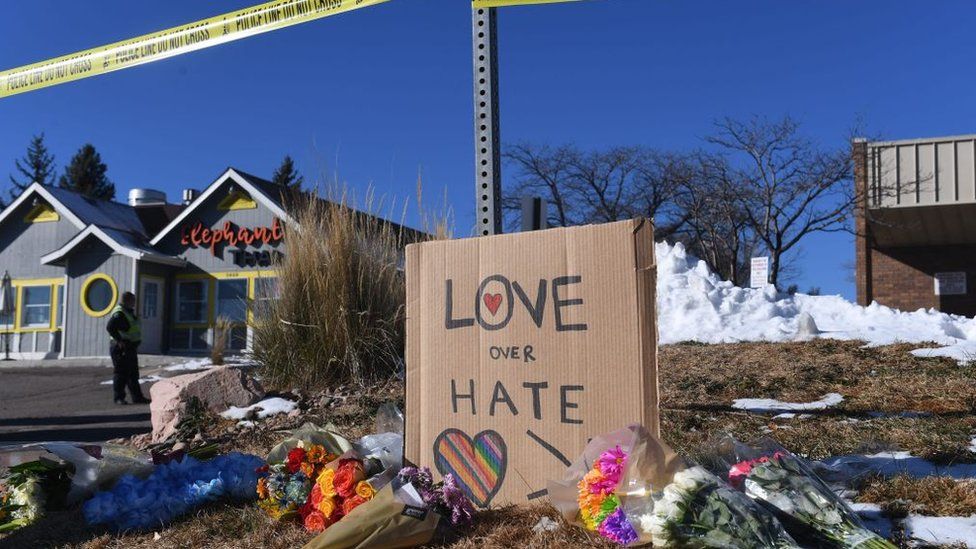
(892, 400)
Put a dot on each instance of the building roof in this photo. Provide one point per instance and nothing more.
(259, 189)
(106, 214)
(121, 242)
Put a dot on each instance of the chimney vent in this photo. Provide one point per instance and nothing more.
(189, 195)
(146, 197)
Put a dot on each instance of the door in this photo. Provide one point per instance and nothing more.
(150, 301)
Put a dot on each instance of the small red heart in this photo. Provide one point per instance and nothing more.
(492, 301)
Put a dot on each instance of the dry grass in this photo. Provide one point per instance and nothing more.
(698, 384)
(340, 316)
(939, 496)
(221, 331)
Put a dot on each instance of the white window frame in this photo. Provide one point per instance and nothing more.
(24, 307)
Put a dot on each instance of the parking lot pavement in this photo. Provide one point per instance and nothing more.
(47, 402)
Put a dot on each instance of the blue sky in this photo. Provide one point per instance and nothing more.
(378, 95)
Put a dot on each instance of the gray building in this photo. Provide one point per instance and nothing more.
(71, 258)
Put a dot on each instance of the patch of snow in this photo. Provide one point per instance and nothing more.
(761, 405)
(246, 423)
(268, 407)
(972, 445)
(205, 363)
(941, 530)
(873, 518)
(694, 304)
(147, 379)
(897, 463)
(198, 364)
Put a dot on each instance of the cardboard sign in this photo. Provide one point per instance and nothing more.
(950, 283)
(522, 347)
(759, 272)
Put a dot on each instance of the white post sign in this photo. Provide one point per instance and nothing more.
(759, 272)
(952, 283)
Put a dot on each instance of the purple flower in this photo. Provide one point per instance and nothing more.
(462, 512)
(618, 529)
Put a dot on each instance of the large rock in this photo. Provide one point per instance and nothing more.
(218, 389)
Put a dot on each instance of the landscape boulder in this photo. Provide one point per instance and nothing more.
(217, 389)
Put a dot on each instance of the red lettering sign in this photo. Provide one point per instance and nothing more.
(197, 235)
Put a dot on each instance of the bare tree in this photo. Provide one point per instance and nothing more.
(716, 227)
(542, 171)
(598, 186)
(788, 186)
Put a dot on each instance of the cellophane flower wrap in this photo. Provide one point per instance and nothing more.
(786, 484)
(316, 487)
(173, 489)
(29, 489)
(697, 509)
(632, 489)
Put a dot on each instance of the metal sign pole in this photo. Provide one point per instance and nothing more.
(488, 174)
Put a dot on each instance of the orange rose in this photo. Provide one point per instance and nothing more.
(316, 496)
(365, 490)
(351, 503)
(315, 522)
(328, 506)
(347, 477)
(326, 482)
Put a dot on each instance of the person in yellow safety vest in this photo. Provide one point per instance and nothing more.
(126, 332)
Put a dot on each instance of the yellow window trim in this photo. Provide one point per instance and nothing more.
(84, 291)
(19, 284)
(41, 213)
(212, 289)
(237, 200)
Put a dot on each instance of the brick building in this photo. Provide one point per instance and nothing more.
(916, 223)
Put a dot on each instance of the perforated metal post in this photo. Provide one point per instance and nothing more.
(488, 175)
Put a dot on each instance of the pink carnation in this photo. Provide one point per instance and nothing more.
(611, 464)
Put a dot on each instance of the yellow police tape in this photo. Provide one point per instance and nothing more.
(503, 3)
(175, 41)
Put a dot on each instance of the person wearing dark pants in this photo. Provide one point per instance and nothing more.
(126, 333)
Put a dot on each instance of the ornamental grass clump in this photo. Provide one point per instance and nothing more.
(339, 316)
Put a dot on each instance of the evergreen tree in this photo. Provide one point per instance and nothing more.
(287, 176)
(37, 165)
(86, 175)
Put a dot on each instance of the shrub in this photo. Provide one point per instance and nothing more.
(340, 313)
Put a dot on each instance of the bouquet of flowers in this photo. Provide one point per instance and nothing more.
(784, 483)
(173, 489)
(631, 488)
(445, 498)
(599, 505)
(315, 486)
(406, 512)
(28, 489)
(699, 510)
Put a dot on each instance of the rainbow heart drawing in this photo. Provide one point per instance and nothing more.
(477, 464)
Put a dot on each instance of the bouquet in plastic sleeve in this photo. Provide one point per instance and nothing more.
(29, 489)
(787, 485)
(630, 488)
(405, 513)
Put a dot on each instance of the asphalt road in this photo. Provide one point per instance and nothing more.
(65, 403)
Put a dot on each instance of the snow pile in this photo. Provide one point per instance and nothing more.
(762, 405)
(942, 530)
(266, 408)
(695, 305)
(206, 363)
